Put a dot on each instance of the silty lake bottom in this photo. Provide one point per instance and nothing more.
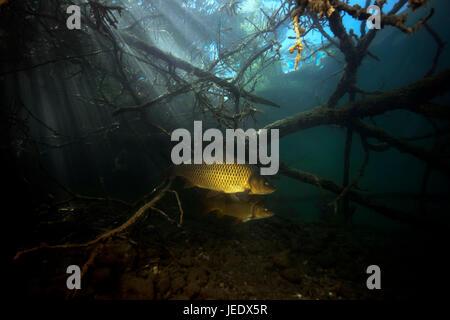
(363, 120)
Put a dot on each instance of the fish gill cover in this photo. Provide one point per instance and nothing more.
(92, 91)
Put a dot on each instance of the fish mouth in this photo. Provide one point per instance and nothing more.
(265, 216)
(263, 213)
(262, 191)
(269, 191)
(269, 188)
(269, 214)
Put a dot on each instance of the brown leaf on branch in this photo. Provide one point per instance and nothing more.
(415, 4)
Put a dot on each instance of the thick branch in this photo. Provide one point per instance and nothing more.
(399, 21)
(413, 97)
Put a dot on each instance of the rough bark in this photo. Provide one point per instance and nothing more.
(413, 97)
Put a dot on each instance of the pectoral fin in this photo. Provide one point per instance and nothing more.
(234, 197)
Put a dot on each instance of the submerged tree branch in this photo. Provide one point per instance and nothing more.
(366, 201)
(109, 234)
(186, 66)
(440, 47)
(401, 145)
(413, 97)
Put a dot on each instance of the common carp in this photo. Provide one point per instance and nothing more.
(242, 210)
(227, 178)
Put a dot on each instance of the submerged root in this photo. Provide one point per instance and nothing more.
(298, 45)
(321, 7)
(99, 242)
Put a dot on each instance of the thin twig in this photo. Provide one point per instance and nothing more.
(179, 207)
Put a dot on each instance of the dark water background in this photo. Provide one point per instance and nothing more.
(122, 165)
